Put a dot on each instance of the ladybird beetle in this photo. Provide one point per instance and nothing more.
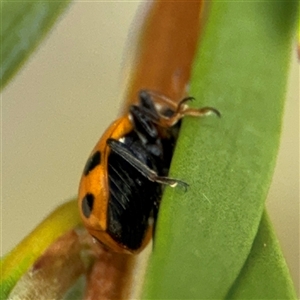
(122, 181)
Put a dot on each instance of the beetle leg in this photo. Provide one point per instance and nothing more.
(122, 150)
(180, 110)
(160, 98)
(184, 110)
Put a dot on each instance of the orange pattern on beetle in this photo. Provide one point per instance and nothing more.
(121, 185)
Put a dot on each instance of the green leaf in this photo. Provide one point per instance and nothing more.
(204, 236)
(17, 262)
(264, 262)
(23, 25)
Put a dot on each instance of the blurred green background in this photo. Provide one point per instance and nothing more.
(70, 90)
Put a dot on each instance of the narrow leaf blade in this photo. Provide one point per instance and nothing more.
(204, 236)
(23, 25)
(265, 261)
(15, 263)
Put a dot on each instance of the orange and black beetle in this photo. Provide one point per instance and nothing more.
(121, 185)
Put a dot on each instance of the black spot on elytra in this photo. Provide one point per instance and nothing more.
(92, 163)
(87, 205)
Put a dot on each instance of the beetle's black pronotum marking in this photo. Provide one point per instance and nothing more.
(143, 125)
(147, 105)
(87, 205)
(93, 162)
